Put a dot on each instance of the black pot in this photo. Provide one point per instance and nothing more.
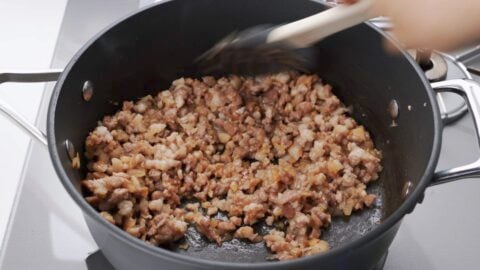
(147, 50)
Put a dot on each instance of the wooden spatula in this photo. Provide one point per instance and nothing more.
(263, 49)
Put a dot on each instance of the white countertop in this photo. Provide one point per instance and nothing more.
(29, 30)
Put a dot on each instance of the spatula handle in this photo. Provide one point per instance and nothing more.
(305, 32)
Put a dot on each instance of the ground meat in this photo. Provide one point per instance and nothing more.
(247, 232)
(224, 154)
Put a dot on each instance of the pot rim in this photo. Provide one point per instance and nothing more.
(87, 209)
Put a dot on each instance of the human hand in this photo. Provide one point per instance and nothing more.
(435, 24)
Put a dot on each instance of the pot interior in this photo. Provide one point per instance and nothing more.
(145, 52)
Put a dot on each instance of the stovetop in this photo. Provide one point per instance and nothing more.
(47, 230)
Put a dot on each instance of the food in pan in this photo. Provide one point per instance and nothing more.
(225, 154)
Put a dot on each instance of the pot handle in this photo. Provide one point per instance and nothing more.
(14, 116)
(470, 91)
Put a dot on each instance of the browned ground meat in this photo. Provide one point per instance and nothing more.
(278, 148)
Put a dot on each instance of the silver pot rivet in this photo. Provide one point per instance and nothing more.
(70, 149)
(87, 90)
(393, 109)
(406, 189)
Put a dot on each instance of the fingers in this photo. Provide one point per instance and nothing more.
(349, 2)
(436, 24)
